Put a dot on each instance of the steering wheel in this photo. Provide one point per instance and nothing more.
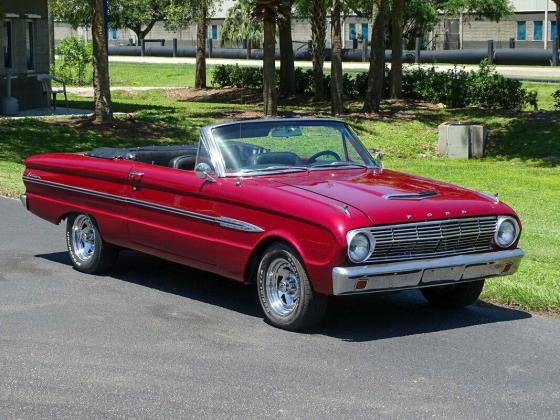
(317, 155)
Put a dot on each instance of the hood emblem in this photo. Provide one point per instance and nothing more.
(410, 196)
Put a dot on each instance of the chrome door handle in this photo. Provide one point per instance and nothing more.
(135, 176)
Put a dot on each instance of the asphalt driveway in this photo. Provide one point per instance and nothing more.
(154, 339)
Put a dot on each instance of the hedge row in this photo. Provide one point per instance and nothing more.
(456, 88)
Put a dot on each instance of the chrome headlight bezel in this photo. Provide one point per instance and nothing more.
(351, 236)
(499, 224)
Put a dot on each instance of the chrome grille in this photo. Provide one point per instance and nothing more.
(432, 239)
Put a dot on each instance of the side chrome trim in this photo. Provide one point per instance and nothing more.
(425, 273)
(23, 199)
(225, 222)
(238, 225)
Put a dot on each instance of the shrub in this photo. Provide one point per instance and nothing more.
(456, 88)
(448, 88)
(74, 56)
(484, 88)
(238, 76)
(489, 89)
(556, 96)
(304, 81)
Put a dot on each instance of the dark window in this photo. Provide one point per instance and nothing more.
(365, 35)
(214, 31)
(7, 43)
(521, 30)
(537, 30)
(29, 45)
(553, 30)
(352, 31)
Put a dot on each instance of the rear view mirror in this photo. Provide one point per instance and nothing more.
(286, 132)
(202, 170)
(377, 157)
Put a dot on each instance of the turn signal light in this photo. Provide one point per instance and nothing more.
(361, 284)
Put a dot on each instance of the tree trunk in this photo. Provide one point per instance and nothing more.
(374, 92)
(557, 3)
(396, 47)
(141, 34)
(269, 71)
(287, 71)
(200, 74)
(101, 84)
(318, 35)
(337, 102)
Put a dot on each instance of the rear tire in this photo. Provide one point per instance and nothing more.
(285, 292)
(455, 295)
(88, 252)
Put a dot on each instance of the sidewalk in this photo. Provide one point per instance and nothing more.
(515, 72)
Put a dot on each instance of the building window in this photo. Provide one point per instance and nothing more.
(352, 31)
(114, 33)
(537, 30)
(214, 31)
(30, 44)
(521, 30)
(7, 43)
(365, 32)
(553, 30)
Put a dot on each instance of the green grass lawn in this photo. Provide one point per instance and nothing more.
(523, 164)
(160, 75)
(182, 75)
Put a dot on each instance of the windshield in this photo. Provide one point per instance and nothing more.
(286, 146)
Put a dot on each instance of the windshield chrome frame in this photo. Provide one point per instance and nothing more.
(218, 162)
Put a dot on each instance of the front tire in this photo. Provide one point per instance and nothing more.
(454, 296)
(285, 292)
(88, 252)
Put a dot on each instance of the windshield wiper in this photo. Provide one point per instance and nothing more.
(338, 165)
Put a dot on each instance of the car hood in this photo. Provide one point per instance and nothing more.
(387, 196)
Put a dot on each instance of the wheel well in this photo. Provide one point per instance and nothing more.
(253, 263)
(65, 216)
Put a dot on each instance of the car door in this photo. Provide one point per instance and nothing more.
(172, 214)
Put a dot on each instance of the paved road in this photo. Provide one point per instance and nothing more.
(154, 339)
(538, 73)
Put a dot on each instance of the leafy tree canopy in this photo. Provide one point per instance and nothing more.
(137, 15)
(240, 25)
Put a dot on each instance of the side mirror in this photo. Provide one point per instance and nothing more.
(377, 157)
(202, 170)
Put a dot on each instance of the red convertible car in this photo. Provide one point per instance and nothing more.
(298, 207)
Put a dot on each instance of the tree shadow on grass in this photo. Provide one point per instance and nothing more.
(526, 136)
(358, 318)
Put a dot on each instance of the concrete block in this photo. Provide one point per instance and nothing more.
(461, 140)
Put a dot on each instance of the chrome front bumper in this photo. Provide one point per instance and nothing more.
(424, 273)
(23, 199)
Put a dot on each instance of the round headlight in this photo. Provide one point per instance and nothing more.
(507, 231)
(359, 247)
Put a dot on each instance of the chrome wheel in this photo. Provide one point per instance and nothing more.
(83, 237)
(282, 286)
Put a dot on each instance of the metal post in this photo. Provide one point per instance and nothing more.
(545, 39)
(174, 47)
(364, 50)
(512, 42)
(555, 51)
(490, 51)
(248, 47)
(142, 47)
(418, 48)
(209, 47)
